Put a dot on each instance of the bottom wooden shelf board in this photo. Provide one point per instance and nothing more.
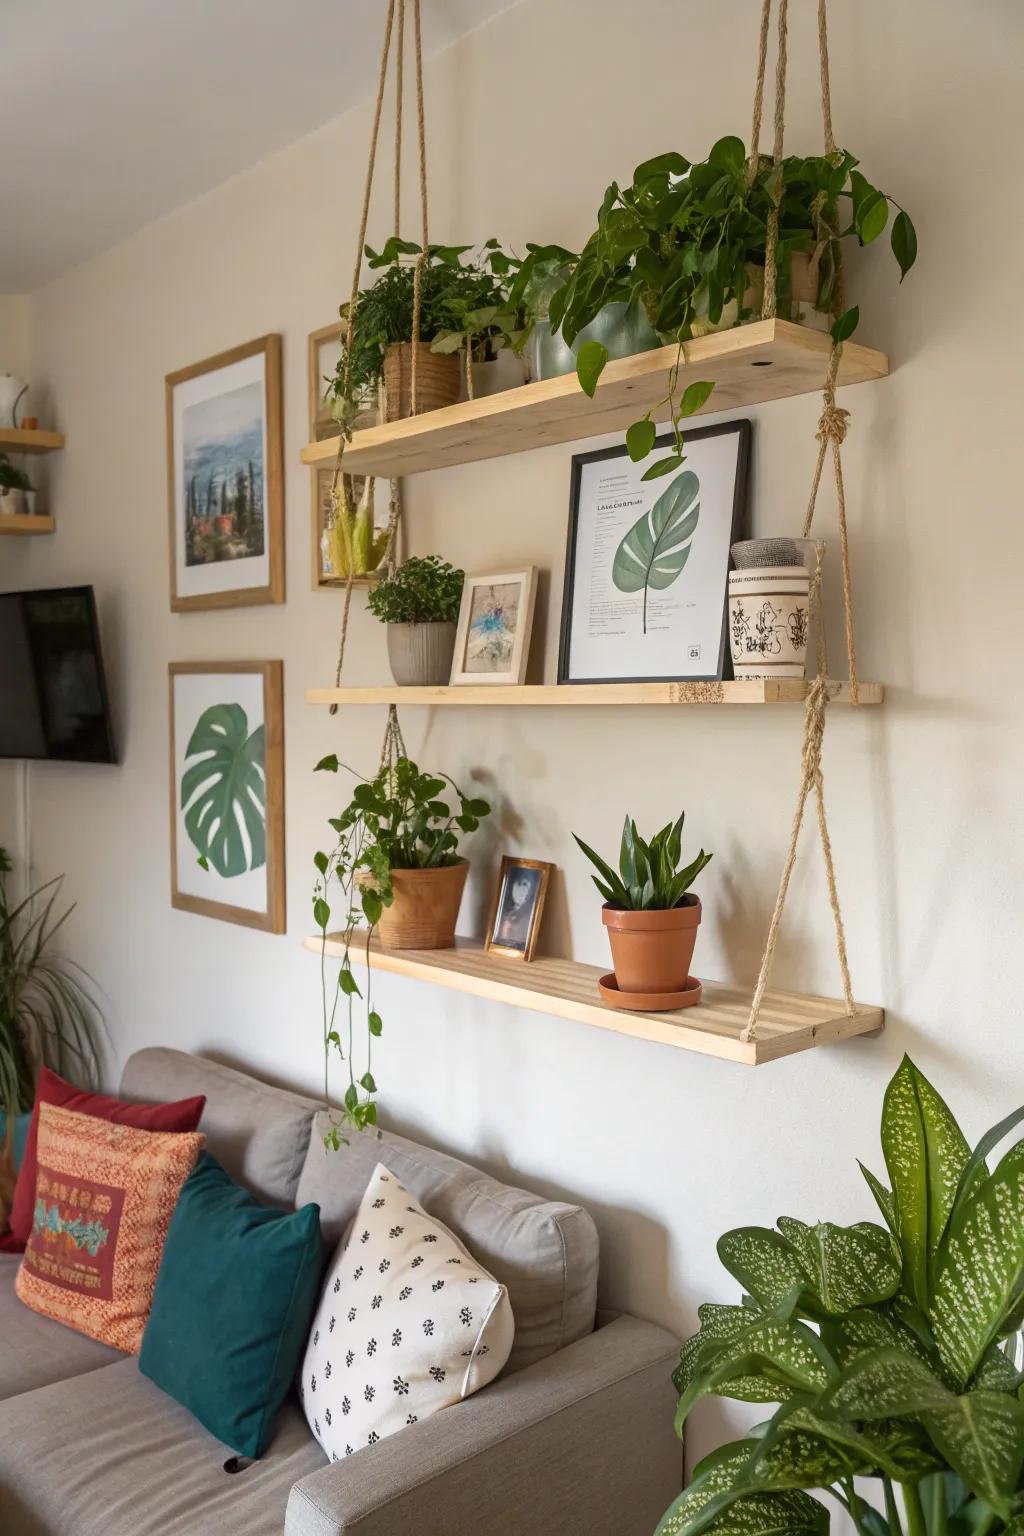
(789, 1021)
(21, 523)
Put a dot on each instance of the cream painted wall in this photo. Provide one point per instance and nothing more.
(14, 358)
(529, 119)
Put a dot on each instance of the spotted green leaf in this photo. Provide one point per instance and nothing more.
(785, 1356)
(657, 547)
(870, 1328)
(719, 1328)
(847, 1267)
(764, 1263)
(718, 1500)
(899, 1450)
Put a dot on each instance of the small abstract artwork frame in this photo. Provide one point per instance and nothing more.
(647, 562)
(517, 907)
(227, 791)
(492, 642)
(225, 483)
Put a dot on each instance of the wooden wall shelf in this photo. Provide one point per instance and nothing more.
(766, 360)
(789, 1021)
(18, 440)
(26, 525)
(580, 694)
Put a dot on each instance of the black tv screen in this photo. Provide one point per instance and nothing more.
(53, 697)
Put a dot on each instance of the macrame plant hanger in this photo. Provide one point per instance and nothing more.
(393, 746)
(831, 431)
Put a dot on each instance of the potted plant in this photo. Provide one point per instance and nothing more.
(420, 606)
(651, 918)
(16, 493)
(382, 341)
(886, 1348)
(397, 864)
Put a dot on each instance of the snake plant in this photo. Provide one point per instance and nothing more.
(885, 1348)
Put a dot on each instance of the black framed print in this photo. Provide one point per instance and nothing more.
(647, 562)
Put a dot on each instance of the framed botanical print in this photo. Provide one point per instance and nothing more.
(492, 642)
(647, 561)
(517, 907)
(227, 791)
(224, 479)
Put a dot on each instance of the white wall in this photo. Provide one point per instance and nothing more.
(529, 119)
(14, 358)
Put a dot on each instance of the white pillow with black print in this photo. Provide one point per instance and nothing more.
(408, 1323)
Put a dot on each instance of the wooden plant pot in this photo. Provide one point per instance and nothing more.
(438, 379)
(425, 909)
(652, 951)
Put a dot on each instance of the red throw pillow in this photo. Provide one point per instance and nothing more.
(51, 1089)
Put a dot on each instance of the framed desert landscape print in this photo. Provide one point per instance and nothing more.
(227, 791)
(224, 479)
(647, 562)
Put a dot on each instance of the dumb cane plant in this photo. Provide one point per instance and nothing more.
(395, 820)
(883, 1347)
(649, 877)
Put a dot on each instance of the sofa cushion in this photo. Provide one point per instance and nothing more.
(35, 1351)
(543, 1251)
(109, 1454)
(259, 1134)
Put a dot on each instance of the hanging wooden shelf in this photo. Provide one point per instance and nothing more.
(26, 525)
(789, 1021)
(766, 360)
(19, 440)
(764, 691)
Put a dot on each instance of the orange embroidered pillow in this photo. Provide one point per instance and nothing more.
(104, 1198)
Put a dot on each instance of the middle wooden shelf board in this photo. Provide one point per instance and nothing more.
(789, 1021)
(546, 695)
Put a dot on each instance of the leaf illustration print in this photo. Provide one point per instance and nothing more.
(223, 791)
(656, 548)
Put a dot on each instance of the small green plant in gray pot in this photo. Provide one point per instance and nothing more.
(420, 606)
(16, 493)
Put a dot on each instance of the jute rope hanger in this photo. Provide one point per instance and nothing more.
(831, 432)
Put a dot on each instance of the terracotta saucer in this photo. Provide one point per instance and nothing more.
(649, 1002)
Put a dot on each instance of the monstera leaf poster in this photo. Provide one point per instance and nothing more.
(227, 817)
(648, 561)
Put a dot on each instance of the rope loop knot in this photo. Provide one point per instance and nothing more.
(833, 423)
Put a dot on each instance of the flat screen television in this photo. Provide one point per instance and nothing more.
(53, 696)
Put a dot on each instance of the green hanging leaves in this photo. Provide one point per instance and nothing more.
(903, 240)
(657, 547)
(590, 361)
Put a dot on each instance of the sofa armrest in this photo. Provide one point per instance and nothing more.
(582, 1441)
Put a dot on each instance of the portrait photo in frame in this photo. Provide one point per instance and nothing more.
(647, 562)
(517, 907)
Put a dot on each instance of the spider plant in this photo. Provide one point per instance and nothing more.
(48, 1015)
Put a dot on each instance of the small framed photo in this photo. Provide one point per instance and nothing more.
(517, 907)
(225, 486)
(227, 791)
(647, 561)
(492, 643)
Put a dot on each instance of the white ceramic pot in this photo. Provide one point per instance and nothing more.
(769, 621)
(12, 501)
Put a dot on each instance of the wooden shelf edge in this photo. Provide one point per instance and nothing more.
(569, 695)
(19, 440)
(790, 1021)
(750, 365)
(26, 525)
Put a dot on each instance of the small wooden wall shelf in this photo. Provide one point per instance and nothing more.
(766, 691)
(26, 525)
(789, 1021)
(18, 440)
(766, 360)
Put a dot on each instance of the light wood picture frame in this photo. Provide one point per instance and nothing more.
(517, 907)
(322, 351)
(226, 773)
(225, 479)
(492, 641)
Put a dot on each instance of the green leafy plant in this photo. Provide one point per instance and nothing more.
(48, 1015)
(423, 590)
(883, 1347)
(454, 298)
(12, 479)
(223, 789)
(356, 546)
(653, 553)
(396, 820)
(649, 877)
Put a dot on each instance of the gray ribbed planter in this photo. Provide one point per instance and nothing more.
(421, 654)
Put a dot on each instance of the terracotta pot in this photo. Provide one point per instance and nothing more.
(652, 951)
(438, 379)
(425, 909)
(421, 654)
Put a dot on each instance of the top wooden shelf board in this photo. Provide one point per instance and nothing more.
(766, 360)
(18, 440)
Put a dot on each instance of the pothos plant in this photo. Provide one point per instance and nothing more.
(396, 820)
(883, 1346)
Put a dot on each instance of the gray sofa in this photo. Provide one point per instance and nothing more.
(574, 1437)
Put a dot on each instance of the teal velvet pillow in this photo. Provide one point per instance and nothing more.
(232, 1307)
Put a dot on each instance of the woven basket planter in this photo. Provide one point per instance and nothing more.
(438, 379)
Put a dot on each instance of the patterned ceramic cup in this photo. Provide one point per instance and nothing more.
(769, 621)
